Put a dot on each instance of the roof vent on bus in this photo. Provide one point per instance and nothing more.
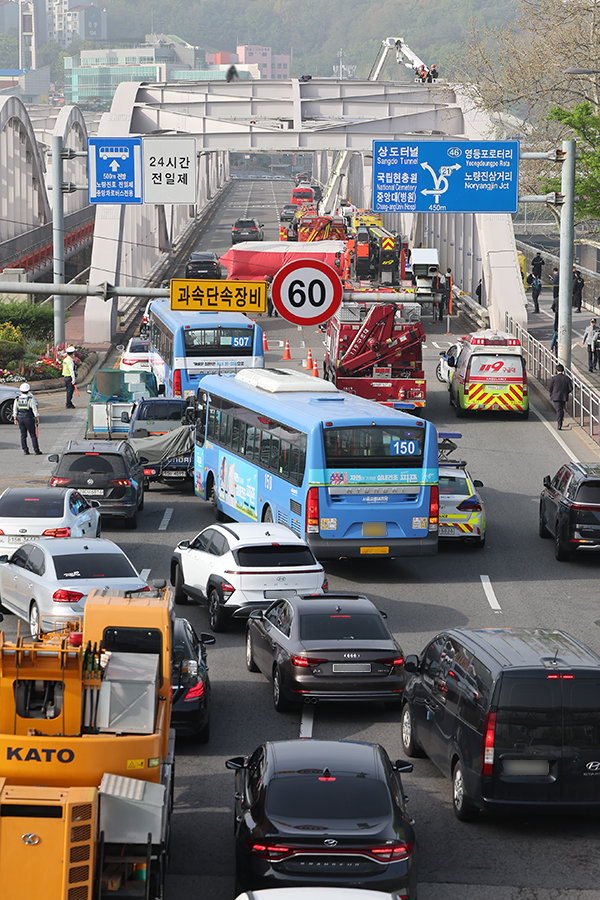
(277, 381)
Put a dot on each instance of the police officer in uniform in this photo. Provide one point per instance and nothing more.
(26, 416)
(68, 372)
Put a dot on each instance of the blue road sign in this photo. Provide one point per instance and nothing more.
(115, 170)
(446, 176)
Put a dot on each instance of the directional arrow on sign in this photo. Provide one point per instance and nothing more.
(114, 165)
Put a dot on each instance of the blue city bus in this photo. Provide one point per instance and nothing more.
(186, 346)
(352, 477)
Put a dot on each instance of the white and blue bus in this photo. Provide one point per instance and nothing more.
(350, 476)
(186, 346)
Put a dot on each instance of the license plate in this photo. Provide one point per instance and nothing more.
(525, 767)
(374, 550)
(374, 529)
(445, 531)
(174, 473)
(91, 492)
(351, 667)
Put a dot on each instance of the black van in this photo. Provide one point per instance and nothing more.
(512, 715)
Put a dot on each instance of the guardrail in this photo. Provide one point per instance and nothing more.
(584, 403)
(472, 310)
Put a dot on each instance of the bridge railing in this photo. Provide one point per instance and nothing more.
(584, 402)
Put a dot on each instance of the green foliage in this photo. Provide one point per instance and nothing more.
(9, 51)
(12, 345)
(37, 322)
(585, 125)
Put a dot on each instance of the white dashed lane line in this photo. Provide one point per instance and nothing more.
(166, 519)
(489, 593)
(306, 721)
(144, 574)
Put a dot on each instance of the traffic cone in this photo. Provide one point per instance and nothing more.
(315, 370)
(265, 345)
(309, 361)
(286, 351)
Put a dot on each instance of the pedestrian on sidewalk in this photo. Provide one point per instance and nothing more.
(68, 372)
(536, 264)
(555, 285)
(578, 284)
(554, 343)
(589, 340)
(560, 388)
(26, 416)
(536, 290)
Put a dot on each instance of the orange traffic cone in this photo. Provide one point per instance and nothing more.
(315, 370)
(309, 361)
(286, 351)
(265, 345)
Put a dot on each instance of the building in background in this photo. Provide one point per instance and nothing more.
(269, 64)
(31, 86)
(68, 20)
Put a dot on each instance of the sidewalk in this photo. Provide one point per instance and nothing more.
(74, 330)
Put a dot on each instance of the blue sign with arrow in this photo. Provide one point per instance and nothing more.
(446, 176)
(115, 170)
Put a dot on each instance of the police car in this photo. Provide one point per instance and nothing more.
(462, 514)
(488, 374)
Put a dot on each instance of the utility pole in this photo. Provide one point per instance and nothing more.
(565, 272)
(58, 238)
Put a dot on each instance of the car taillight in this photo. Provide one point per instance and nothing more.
(470, 503)
(235, 229)
(325, 585)
(272, 852)
(195, 692)
(434, 507)
(303, 662)
(1, 532)
(487, 761)
(57, 532)
(121, 482)
(63, 596)
(227, 588)
(392, 661)
(55, 481)
(393, 852)
(149, 471)
(129, 362)
(140, 590)
(177, 383)
(312, 511)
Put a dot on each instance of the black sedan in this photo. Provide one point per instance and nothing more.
(325, 648)
(322, 813)
(191, 684)
(570, 509)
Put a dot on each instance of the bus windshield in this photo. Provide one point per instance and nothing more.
(217, 341)
(374, 445)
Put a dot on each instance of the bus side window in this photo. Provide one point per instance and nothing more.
(225, 429)
(265, 449)
(252, 443)
(274, 461)
(284, 458)
(237, 436)
(213, 423)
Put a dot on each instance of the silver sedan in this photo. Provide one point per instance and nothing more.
(47, 581)
(32, 512)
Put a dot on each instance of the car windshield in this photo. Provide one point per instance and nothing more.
(93, 565)
(313, 797)
(32, 505)
(453, 484)
(374, 446)
(588, 492)
(274, 557)
(91, 464)
(342, 627)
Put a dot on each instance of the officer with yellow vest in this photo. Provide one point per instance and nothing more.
(68, 373)
(26, 416)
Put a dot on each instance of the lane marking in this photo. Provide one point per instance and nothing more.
(144, 574)
(166, 519)
(553, 431)
(306, 721)
(489, 593)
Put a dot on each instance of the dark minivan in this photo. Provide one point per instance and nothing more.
(511, 715)
(570, 509)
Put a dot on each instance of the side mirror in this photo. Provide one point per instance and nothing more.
(256, 614)
(403, 766)
(120, 347)
(143, 460)
(383, 614)
(442, 352)
(478, 483)
(547, 480)
(183, 544)
(4, 558)
(236, 763)
(89, 389)
(95, 504)
(161, 390)
(411, 663)
(451, 362)
(207, 638)
(125, 417)
(53, 457)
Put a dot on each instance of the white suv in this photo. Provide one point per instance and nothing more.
(243, 566)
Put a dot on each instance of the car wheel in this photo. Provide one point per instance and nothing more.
(131, 521)
(179, 595)
(267, 514)
(438, 373)
(460, 413)
(250, 664)
(562, 551)
(216, 614)
(542, 530)
(279, 701)
(6, 415)
(463, 808)
(407, 734)
(34, 620)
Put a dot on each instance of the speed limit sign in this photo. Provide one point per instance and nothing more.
(306, 292)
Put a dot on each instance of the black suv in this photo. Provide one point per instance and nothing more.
(203, 264)
(510, 714)
(107, 471)
(191, 685)
(246, 230)
(570, 509)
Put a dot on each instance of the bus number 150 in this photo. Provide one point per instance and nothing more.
(404, 448)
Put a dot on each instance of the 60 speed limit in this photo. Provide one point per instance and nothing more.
(306, 292)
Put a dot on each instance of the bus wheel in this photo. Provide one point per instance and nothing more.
(212, 496)
(267, 514)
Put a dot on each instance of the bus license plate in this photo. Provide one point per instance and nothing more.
(374, 529)
(374, 550)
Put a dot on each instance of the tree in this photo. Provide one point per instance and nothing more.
(585, 124)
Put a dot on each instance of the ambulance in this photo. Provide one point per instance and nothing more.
(488, 374)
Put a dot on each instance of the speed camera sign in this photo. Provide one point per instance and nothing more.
(306, 292)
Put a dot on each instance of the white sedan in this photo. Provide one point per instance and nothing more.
(48, 580)
(136, 356)
(244, 566)
(27, 513)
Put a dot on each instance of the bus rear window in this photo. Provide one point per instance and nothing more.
(375, 445)
(218, 341)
